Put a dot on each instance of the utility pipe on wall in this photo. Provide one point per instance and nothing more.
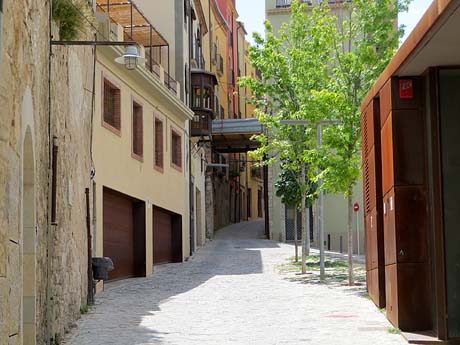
(54, 180)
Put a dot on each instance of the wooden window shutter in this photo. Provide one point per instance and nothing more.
(137, 130)
(112, 105)
(158, 143)
(176, 150)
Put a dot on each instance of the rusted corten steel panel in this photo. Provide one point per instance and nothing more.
(405, 224)
(391, 293)
(376, 286)
(403, 135)
(367, 127)
(373, 209)
(370, 183)
(409, 147)
(387, 155)
(372, 160)
(372, 261)
(374, 240)
(408, 296)
(386, 103)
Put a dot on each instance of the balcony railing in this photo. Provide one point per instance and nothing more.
(201, 125)
(288, 3)
(126, 22)
(170, 83)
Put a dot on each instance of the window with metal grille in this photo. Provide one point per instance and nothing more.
(138, 137)
(158, 159)
(111, 105)
(176, 150)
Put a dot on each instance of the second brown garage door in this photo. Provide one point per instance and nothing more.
(162, 237)
(167, 236)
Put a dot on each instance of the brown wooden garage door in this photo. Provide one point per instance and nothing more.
(162, 237)
(119, 233)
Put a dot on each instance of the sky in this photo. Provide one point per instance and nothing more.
(252, 14)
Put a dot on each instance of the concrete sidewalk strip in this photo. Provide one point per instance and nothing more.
(231, 292)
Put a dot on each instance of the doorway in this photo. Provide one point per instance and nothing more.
(199, 225)
(449, 104)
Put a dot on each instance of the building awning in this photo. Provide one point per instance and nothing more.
(234, 135)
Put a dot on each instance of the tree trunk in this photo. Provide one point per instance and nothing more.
(296, 244)
(351, 280)
(307, 225)
(304, 228)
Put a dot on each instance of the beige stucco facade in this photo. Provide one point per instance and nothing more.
(117, 169)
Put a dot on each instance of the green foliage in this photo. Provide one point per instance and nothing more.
(317, 68)
(364, 44)
(70, 17)
(289, 188)
(84, 309)
(394, 330)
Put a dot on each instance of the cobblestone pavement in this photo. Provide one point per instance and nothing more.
(231, 293)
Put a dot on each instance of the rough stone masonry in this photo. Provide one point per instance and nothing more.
(42, 266)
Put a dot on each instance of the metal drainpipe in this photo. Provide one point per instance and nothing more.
(189, 69)
(54, 181)
(48, 234)
(90, 297)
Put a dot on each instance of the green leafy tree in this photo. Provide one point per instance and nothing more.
(320, 68)
(296, 67)
(364, 43)
(288, 188)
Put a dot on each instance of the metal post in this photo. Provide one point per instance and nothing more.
(131, 7)
(151, 49)
(304, 230)
(357, 228)
(320, 212)
(169, 79)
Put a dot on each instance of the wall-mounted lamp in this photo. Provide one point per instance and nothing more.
(130, 58)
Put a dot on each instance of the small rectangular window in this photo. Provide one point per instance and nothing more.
(138, 135)
(111, 103)
(176, 150)
(158, 159)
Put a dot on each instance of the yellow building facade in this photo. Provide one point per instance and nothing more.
(141, 161)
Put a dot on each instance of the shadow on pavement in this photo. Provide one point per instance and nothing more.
(121, 312)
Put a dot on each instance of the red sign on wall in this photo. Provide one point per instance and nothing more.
(406, 88)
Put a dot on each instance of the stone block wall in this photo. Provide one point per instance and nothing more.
(55, 255)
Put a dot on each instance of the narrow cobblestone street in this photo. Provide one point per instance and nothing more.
(231, 293)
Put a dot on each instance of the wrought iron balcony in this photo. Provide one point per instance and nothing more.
(122, 20)
(288, 3)
(201, 125)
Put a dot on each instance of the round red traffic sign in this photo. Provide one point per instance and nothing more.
(356, 207)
